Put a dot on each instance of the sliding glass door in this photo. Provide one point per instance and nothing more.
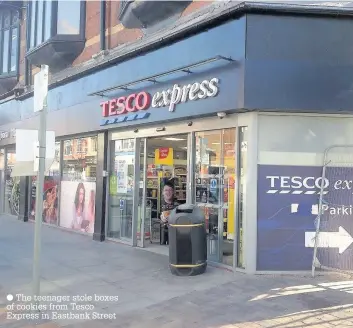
(214, 190)
(122, 185)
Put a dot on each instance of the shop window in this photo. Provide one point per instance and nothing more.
(79, 164)
(51, 192)
(12, 185)
(94, 145)
(56, 32)
(78, 185)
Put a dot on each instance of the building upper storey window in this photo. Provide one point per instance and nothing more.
(150, 15)
(9, 41)
(56, 32)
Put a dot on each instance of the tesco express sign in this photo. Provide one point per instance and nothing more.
(170, 97)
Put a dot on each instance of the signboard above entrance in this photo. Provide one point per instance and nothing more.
(170, 98)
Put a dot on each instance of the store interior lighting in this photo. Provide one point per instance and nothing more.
(174, 139)
(226, 143)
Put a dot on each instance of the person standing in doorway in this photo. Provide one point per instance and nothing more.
(168, 204)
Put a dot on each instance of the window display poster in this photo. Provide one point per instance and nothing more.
(164, 156)
(12, 195)
(77, 205)
(121, 175)
(113, 185)
(124, 171)
(50, 200)
(201, 194)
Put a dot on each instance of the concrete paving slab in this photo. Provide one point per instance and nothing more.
(149, 296)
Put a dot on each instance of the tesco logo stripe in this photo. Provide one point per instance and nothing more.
(296, 192)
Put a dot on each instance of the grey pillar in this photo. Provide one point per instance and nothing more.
(101, 187)
(24, 199)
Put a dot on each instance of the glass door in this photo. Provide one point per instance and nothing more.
(214, 190)
(163, 185)
(121, 190)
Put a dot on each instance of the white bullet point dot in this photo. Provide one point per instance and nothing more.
(9, 297)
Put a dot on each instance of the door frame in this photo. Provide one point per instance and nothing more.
(189, 178)
(141, 241)
(133, 240)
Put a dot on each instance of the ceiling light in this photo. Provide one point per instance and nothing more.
(215, 143)
(174, 139)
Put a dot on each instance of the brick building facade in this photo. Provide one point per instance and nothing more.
(115, 35)
(236, 101)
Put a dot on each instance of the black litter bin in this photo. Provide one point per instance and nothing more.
(187, 241)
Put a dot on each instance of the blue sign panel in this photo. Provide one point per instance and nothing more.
(288, 205)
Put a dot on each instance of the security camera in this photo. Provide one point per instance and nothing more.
(221, 115)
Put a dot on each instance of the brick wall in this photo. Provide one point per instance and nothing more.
(92, 45)
(115, 33)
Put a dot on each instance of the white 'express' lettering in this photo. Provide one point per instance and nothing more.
(177, 94)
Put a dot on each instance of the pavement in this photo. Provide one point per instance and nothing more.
(112, 285)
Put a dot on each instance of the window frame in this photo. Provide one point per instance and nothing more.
(77, 156)
(79, 146)
(54, 23)
(68, 145)
(11, 27)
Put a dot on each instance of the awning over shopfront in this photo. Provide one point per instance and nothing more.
(188, 69)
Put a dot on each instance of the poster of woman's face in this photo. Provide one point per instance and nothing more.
(77, 206)
(50, 202)
(50, 206)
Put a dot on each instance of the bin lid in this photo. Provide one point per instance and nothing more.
(187, 214)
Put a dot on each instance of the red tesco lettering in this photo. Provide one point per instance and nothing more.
(129, 104)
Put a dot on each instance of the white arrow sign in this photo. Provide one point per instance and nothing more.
(341, 239)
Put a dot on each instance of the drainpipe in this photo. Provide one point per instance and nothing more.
(102, 29)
